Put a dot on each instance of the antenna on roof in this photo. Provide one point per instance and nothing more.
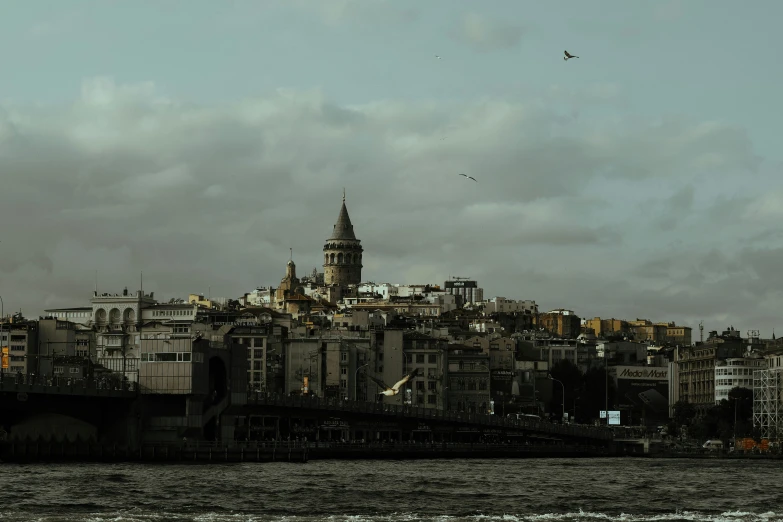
(291, 258)
(343, 194)
(96, 282)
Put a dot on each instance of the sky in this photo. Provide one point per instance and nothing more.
(197, 141)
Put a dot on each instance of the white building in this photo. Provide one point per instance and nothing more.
(259, 297)
(735, 373)
(503, 305)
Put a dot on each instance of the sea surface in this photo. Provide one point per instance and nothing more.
(540, 490)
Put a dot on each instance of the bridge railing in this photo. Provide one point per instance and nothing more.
(283, 444)
(23, 383)
(542, 426)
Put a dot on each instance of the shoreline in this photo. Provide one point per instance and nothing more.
(296, 452)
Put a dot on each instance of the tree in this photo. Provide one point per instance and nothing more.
(595, 395)
(567, 373)
(684, 413)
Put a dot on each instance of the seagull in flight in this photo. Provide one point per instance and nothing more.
(394, 390)
(568, 56)
(438, 57)
(469, 177)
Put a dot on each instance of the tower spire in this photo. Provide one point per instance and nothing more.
(343, 194)
(291, 257)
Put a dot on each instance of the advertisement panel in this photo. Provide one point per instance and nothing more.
(501, 382)
(4, 358)
(643, 392)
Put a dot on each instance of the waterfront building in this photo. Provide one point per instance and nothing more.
(735, 373)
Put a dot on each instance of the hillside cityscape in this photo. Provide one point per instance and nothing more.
(332, 335)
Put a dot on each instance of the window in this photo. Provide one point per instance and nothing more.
(344, 371)
(257, 365)
(180, 329)
(432, 385)
(258, 353)
(433, 358)
(419, 385)
(380, 357)
(420, 358)
(343, 383)
(430, 399)
(344, 356)
(74, 370)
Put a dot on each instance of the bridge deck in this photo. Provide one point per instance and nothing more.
(425, 414)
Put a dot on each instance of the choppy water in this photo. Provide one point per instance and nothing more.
(535, 490)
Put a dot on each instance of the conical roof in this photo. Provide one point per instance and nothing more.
(343, 229)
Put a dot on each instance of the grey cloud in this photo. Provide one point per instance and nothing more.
(334, 12)
(486, 35)
(677, 207)
(125, 180)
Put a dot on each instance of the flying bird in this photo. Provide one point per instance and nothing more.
(394, 390)
(438, 57)
(469, 177)
(568, 56)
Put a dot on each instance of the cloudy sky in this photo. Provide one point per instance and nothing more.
(198, 140)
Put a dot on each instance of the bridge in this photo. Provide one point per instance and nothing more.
(336, 419)
(60, 409)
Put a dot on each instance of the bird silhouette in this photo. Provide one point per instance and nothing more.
(469, 177)
(438, 57)
(393, 390)
(568, 56)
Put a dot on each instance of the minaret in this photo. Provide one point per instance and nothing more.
(343, 253)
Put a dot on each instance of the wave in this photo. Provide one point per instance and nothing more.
(136, 515)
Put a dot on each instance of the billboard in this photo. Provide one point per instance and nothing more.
(4, 358)
(501, 382)
(643, 392)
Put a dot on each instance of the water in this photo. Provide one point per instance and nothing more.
(534, 490)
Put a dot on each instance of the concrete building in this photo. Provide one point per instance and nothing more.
(327, 367)
(467, 290)
(343, 253)
(696, 370)
(605, 327)
(624, 353)
(735, 373)
(507, 306)
(427, 355)
(20, 338)
(645, 330)
(561, 323)
(680, 335)
(468, 380)
(388, 361)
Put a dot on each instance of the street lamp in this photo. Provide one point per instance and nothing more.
(736, 400)
(563, 387)
(2, 327)
(356, 379)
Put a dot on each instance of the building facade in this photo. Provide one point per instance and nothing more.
(735, 373)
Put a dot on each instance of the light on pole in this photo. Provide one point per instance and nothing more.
(356, 381)
(2, 327)
(562, 418)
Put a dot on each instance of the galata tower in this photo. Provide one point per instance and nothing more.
(343, 253)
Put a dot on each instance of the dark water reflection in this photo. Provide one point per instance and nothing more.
(633, 490)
